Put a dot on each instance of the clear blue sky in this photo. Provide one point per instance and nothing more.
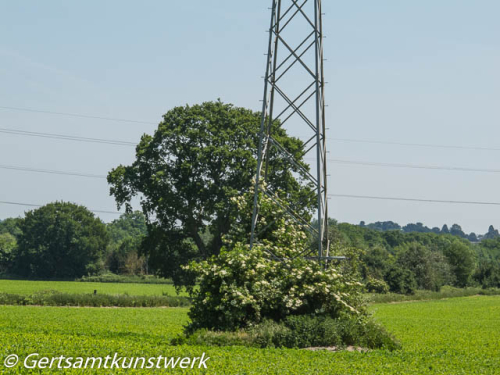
(420, 72)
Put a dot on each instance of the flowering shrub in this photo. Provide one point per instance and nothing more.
(242, 287)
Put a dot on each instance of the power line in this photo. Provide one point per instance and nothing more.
(330, 195)
(350, 140)
(414, 199)
(38, 205)
(78, 115)
(413, 166)
(349, 162)
(66, 137)
(339, 161)
(415, 144)
(49, 171)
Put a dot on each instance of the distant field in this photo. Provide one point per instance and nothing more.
(24, 287)
(453, 336)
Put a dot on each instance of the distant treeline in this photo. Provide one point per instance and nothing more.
(455, 230)
(66, 241)
(402, 260)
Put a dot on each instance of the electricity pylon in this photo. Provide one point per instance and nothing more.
(294, 95)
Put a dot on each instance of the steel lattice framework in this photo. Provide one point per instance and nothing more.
(294, 95)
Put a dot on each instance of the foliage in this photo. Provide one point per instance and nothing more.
(492, 233)
(424, 264)
(186, 174)
(376, 286)
(9, 231)
(11, 226)
(489, 249)
(243, 287)
(299, 332)
(60, 240)
(400, 280)
(487, 273)
(418, 227)
(382, 225)
(375, 262)
(112, 278)
(455, 230)
(125, 258)
(8, 244)
(308, 331)
(472, 237)
(123, 254)
(433, 260)
(54, 298)
(128, 225)
(462, 262)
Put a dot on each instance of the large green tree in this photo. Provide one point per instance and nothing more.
(60, 240)
(187, 172)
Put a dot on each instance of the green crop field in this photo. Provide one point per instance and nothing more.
(453, 336)
(25, 287)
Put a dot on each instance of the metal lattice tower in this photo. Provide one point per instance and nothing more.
(294, 95)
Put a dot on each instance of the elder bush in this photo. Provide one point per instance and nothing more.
(272, 281)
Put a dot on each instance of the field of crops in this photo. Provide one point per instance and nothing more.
(454, 336)
(25, 287)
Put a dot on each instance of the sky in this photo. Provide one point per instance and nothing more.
(421, 72)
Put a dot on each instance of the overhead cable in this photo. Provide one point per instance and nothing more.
(39, 205)
(49, 171)
(78, 115)
(66, 137)
(482, 203)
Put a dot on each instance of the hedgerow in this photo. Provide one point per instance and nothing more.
(125, 279)
(54, 298)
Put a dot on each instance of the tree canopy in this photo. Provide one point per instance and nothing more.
(186, 173)
(11, 226)
(455, 230)
(60, 240)
(126, 234)
(128, 225)
(7, 245)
